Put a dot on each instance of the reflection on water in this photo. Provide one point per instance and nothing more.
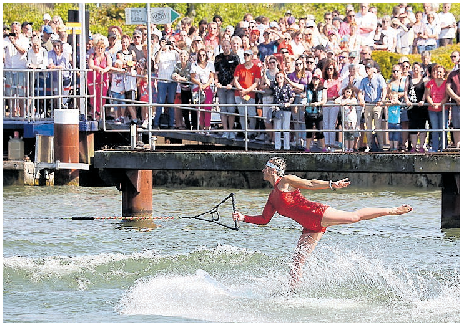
(391, 269)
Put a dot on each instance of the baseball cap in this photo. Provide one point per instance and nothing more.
(112, 35)
(274, 24)
(137, 32)
(310, 24)
(197, 38)
(248, 51)
(46, 16)
(369, 65)
(353, 54)
(47, 30)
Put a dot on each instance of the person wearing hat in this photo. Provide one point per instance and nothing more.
(372, 94)
(246, 79)
(46, 38)
(136, 45)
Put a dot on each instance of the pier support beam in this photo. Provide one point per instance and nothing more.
(66, 144)
(136, 191)
(450, 207)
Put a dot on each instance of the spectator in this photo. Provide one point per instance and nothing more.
(236, 48)
(182, 75)
(350, 118)
(447, 25)
(46, 21)
(367, 23)
(417, 112)
(128, 57)
(397, 85)
(15, 57)
(315, 98)
(26, 29)
(393, 33)
(345, 26)
(46, 38)
(372, 93)
(354, 41)
(283, 96)
(394, 111)
(426, 64)
(117, 86)
(66, 47)
(202, 26)
(453, 91)
(246, 79)
(98, 81)
(202, 75)
(380, 39)
(212, 36)
(166, 60)
(432, 31)
(299, 76)
(136, 45)
(267, 47)
(438, 113)
(37, 58)
(296, 44)
(112, 49)
(332, 83)
(455, 58)
(268, 74)
(225, 65)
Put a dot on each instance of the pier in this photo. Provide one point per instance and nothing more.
(118, 164)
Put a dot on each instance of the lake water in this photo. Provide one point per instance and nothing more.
(390, 269)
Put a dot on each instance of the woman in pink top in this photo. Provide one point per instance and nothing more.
(436, 98)
(333, 83)
(314, 217)
(100, 64)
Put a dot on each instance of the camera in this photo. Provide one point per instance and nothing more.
(12, 34)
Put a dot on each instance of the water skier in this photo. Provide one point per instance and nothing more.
(314, 217)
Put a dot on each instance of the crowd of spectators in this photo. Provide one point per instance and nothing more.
(312, 76)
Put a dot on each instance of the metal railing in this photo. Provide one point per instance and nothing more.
(33, 94)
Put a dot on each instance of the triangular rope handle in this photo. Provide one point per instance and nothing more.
(215, 215)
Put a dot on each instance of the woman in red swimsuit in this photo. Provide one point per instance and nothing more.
(314, 217)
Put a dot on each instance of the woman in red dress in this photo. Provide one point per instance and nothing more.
(314, 217)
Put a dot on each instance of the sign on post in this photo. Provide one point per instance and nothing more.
(158, 16)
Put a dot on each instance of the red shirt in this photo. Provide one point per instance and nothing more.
(247, 77)
(437, 94)
(294, 206)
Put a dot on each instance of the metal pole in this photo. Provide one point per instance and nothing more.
(149, 72)
(83, 37)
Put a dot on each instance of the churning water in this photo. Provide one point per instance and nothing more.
(390, 269)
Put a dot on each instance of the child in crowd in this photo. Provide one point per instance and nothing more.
(117, 87)
(350, 118)
(143, 90)
(394, 120)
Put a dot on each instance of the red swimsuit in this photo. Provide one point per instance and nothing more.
(292, 205)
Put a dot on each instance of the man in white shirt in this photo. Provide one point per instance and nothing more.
(15, 57)
(367, 23)
(447, 24)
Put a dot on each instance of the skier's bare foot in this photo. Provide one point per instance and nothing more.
(405, 208)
